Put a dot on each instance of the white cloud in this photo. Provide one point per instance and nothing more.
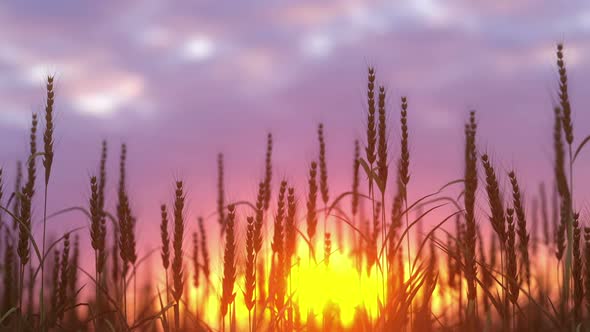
(198, 48)
(317, 45)
(107, 101)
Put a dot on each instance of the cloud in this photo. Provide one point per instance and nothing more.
(106, 101)
(198, 48)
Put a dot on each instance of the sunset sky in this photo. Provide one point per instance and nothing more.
(182, 81)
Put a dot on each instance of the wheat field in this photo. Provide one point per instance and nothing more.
(291, 258)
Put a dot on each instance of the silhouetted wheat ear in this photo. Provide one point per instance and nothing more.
(177, 262)
(278, 248)
(356, 163)
(73, 270)
(220, 192)
(26, 196)
(459, 247)
(323, 166)
(31, 168)
(497, 218)
(371, 130)
(204, 249)
(101, 205)
(102, 180)
(131, 244)
(382, 167)
(376, 221)
(278, 235)
(196, 260)
(404, 166)
(48, 135)
(564, 97)
(312, 220)
(95, 214)
(122, 170)
(54, 288)
(290, 231)
(229, 263)
(17, 190)
(165, 237)
(469, 200)
(115, 253)
(97, 226)
(258, 222)
(268, 172)
(396, 218)
(327, 248)
(559, 168)
(64, 274)
(523, 236)
(250, 275)
(125, 233)
(535, 219)
(123, 214)
(513, 289)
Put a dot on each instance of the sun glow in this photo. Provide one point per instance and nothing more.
(318, 293)
(321, 293)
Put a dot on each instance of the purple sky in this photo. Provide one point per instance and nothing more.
(182, 81)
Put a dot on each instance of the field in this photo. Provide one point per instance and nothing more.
(372, 258)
